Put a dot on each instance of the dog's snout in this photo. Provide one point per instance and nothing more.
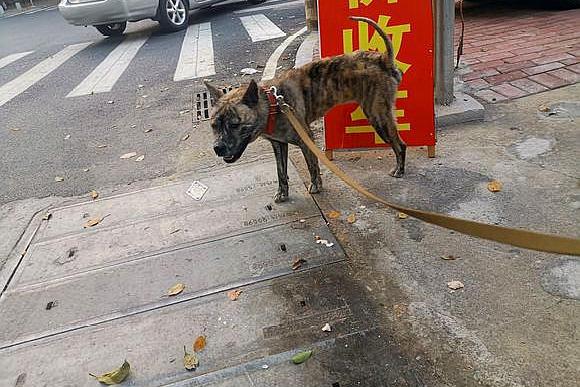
(219, 149)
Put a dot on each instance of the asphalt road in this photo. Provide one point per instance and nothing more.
(44, 134)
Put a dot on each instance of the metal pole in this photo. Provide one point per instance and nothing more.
(444, 28)
(311, 8)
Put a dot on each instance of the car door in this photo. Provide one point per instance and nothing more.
(142, 8)
(196, 4)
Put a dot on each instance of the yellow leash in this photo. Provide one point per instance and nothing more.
(521, 238)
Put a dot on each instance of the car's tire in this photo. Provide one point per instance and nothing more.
(256, 1)
(113, 29)
(173, 15)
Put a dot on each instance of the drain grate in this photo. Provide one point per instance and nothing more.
(202, 104)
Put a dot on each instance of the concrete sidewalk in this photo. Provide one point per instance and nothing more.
(516, 321)
(78, 299)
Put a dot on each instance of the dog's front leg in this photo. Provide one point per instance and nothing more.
(281, 153)
(314, 169)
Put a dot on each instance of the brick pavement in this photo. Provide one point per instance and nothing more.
(513, 51)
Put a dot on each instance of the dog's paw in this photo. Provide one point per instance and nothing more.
(397, 172)
(280, 197)
(315, 188)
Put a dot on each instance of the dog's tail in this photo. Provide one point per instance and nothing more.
(389, 54)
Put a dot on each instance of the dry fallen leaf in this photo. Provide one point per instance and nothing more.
(544, 109)
(46, 216)
(93, 222)
(190, 361)
(175, 289)
(454, 285)
(297, 264)
(402, 215)
(301, 357)
(140, 158)
(334, 214)
(400, 310)
(351, 218)
(94, 194)
(449, 257)
(199, 344)
(116, 376)
(128, 155)
(58, 179)
(234, 294)
(494, 186)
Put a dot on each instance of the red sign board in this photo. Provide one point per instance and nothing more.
(409, 24)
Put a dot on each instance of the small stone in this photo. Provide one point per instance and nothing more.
(326, 328)
(455, 285)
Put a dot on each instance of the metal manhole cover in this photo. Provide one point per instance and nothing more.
(202, 104)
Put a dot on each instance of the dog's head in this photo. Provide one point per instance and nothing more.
(235, 120)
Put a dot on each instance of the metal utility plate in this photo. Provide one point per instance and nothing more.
(83, 299)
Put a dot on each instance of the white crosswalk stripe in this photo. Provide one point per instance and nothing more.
(35, 74)
(13, 58)
(260, 28)
(196, 58)
(108, 72)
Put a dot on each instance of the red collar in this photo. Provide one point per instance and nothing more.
(273, 111)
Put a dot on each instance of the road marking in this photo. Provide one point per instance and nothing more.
(41, 70)
(13, 58)
(272, 63)
(196, 58)
(108, 72)
(284, 5)
(261, 28)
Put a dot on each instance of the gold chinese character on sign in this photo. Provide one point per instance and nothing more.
(358, 115)
(374, 42)
(353, 4)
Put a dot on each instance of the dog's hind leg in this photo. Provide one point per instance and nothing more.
(314, 169)
(281, 153)
(386, 127)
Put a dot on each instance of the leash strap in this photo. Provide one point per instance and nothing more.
(516, 237)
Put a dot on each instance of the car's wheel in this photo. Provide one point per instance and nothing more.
(113, 29)
(173, 14)
(256, 1)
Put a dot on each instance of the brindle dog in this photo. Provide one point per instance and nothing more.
(369, 78)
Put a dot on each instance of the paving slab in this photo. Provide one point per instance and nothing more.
(77, 289)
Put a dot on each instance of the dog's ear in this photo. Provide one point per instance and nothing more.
(251, 96)
(214, 92)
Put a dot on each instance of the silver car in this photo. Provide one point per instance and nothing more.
(110, 17)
